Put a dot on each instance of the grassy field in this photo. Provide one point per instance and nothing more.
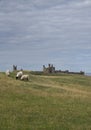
(45, 102)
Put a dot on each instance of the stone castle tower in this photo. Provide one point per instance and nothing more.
(49, 69)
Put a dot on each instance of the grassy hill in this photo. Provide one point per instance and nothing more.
(45, 102)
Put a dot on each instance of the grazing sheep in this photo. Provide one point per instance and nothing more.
(25, 77)
(19, 75)
(8, 72)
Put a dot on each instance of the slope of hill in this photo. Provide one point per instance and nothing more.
(45, 103)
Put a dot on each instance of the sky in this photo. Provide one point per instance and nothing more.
(34, 33)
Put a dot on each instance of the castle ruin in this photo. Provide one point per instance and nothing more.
(14, 67)
(49, 69)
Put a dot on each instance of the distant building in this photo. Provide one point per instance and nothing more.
(49, 69)
(14, 67)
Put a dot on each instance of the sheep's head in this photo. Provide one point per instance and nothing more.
(16, 77)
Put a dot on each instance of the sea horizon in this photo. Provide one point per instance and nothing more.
(88, 74)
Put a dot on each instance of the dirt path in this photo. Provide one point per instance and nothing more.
(73, 90)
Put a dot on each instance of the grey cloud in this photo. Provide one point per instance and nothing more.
(45, 31)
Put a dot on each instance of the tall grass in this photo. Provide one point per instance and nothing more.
(45, 103)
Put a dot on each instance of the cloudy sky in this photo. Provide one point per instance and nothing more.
(37, 32)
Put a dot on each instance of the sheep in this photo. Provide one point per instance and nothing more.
(25, 77)
(8, 72)
(19, 75)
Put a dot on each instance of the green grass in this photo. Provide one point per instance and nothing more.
(45, 102)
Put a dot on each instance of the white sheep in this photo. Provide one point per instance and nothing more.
(25, 77)
(19, 75)
(8, 72)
